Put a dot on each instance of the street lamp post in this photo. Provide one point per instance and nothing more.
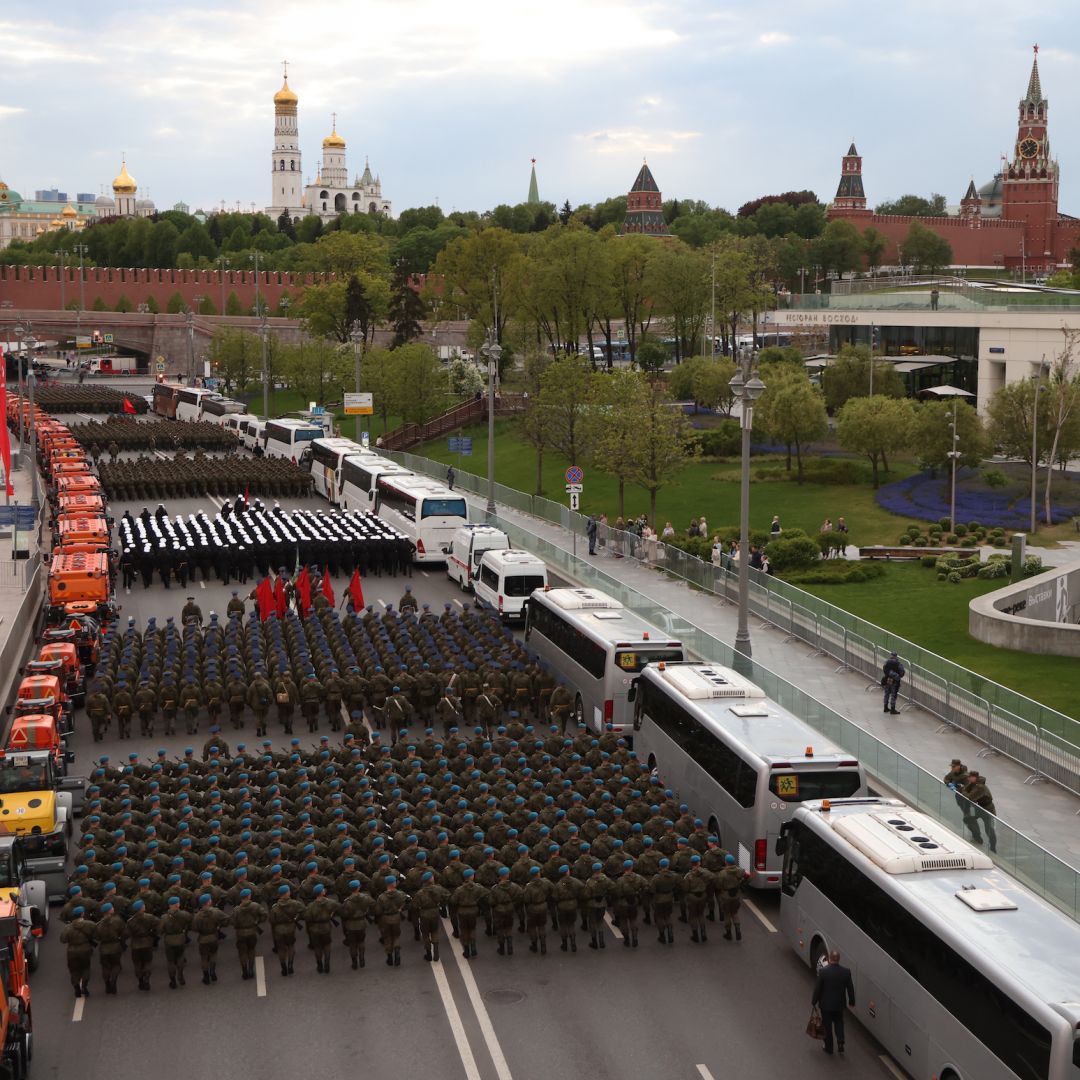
(255, 257)
(357, 338)
(223, 262)
(20, 332)
(954, 456)
(263, 330)
(492, 352)
(190, 321)
(747, 388)
(81, 249)
(1035, 447)
(35, 496)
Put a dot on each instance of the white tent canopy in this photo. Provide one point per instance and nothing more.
(947, 391)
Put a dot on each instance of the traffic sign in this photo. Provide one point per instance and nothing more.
(159, 364)
(574, 500)
(574, 475)
(359, 405)
(459, 444)
(574, 489)
(107, 338)
(365, 439)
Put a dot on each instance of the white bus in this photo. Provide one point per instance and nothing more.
(598, 647)
(326, 458)
(960, 972)
(742, 763)
(356, 488)
(427, 512)
(189, 400)
(289, 438)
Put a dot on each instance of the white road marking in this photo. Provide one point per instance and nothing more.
(80, 1004)
(756, 911)
(612, 927)
(425, 573)
(382, 603)
(202, 584)
(486, 1027)
(704, 1072)
(458, 1029)
(260, 977)
(459, 603)
(891, 1066)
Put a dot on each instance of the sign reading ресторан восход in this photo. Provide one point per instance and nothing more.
(818, 318)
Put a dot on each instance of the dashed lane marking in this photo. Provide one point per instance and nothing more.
(616, 932)
(80, 1004)
(760, 916)
(459, 603)
(482, 1017)
(456, 1026)
(704, 1073)
(260, 977)
(202, 584)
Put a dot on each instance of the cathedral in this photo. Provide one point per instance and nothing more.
(1013, 221)
(331, 193)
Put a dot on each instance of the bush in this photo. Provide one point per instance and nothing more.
(997, 541)
(692, 545)
(942, 577)
(980, 534)
(904, 540)
(944, 523)
(928, 560)
(843, 572)
(722, 441)
(1032, 565)
(954, 577)
(974, 526)
(920, 541)
(994, 568)
(832, 543)
(961, 529)
(935, 530)
(952, 538)
(997, 532)
(914, 530)
(792, 553)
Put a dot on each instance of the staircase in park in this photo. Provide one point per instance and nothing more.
(461, 415)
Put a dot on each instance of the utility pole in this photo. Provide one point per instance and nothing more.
(81, 249)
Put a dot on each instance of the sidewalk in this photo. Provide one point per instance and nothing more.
(1044, 811)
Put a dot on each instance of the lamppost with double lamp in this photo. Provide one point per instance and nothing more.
(954, 457)
(491, 351)
(1035, 444)
(747, 388)
(81, 249)
(264, 328)
(223, 262)
(357, 338)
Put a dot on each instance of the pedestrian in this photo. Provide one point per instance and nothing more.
(774, 529)
(388, 909)
(826, 526)
(143, 932)
(892, 672)
(450, 475)
(934, 297)
(982, 809)
(728, 883)
(247, 920)
(832, 986)
(668, 531)
(78, 936)
(590, 532)
(717, 555)
(692, 528)
(766, 566)
(840, 526)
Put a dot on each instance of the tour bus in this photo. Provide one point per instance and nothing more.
(960, 972)
(164, 399)
(356, 487)
(326, 458)
(289, 438)
(189, 402)
(427, 512)
(742, 763)
(506, 579)
(216, 408)
(599, 648)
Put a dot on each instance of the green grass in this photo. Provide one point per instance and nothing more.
(911, 602)
(704, 487)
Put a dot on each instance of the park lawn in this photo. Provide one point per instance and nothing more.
(703, 487)
(290, 401)
(911, 602)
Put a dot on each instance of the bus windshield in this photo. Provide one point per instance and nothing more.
(804, 785)
(307, 434)
(443, 508)
(638, 658)
(19, 773)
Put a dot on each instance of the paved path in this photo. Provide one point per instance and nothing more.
(1043, 811)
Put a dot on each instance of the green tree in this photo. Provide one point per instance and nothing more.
(616, 405)
(152, 306)
(124, 304)
(1063, 409)
(236, 356)
(678, 280)
(333, 309)
(161, 250)
(839, 249)
(791, 410)
(931, 434)
(195, 241)
(345, 253)
(473, 269)
(233, 305)
(914, 206)
(176, 304)
(874, 244)
(564, 404)
(877, 427)
(207, 307)
(533, 426)
(376, 377)
(850, 375)
(418, 384)
(652, 355)
(925, 250)
(319, 369)
(406, 307)
(664, 444)
(99, 304)
(627, 265)
(1009, 421)
(705, 381)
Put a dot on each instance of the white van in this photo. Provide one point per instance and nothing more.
(469, 544)
(253, 434)
(505, 580)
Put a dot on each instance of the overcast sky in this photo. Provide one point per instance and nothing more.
(451, 98)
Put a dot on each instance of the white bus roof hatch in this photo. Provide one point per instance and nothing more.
(702, 681)
(582, 600)
(907, 842)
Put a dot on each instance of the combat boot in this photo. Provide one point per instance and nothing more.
(543, 946)
(319, 964)
(172, 982)
(284, 968)
(738, 932)
(86, 988)
(509, 946)
(727, 934)
(434, 952)
(213, 972)
(397, 956)
(573, 942)
(472, 949)
(206, 977)
(78, 990)
(427, 955)
(180, 976)
(360, 957)
(694, 936)
(704, 935)
(633, 938)
(563, 946)
(355, 961)
(670, 936)
(501, 950)
(290, 967)
(389, 959)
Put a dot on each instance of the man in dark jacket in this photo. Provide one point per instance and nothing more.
(833, 983)
(892, 673)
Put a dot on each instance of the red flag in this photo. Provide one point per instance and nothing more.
(327, 587)
(264, 595)
(128, 407)
(5, 440)
(246, 490)
(356, 591)
(280, 604)
(303, 590)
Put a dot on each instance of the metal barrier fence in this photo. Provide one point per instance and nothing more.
(1043, 872)
(1006, 722)
(18, 573)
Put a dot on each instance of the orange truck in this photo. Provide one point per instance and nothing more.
(79, 577)
(80, 506)
(79, 628)
(80, 484)
(61, 658)
(42, 693)
(85, 533)
(15, 1016)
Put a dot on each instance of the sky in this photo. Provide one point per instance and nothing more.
(451, 100)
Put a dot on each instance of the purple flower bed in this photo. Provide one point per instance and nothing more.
(926, 497)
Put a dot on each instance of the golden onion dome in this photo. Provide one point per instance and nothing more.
(69, 211)
(333, 141)
(124, 184)
(285, 96)
(56, 223)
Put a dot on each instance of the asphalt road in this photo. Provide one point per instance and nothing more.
(656, 1013)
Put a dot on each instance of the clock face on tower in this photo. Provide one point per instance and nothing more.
(1029, 148)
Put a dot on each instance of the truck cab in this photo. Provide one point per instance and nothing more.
(61, 658)
(16, 1020)
(44, 694)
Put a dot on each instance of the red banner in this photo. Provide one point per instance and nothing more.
(356, 591)
(327, 587)
(280, 603)
(264, 595)
(303, 590)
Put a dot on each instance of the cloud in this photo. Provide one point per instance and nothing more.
(775, 37)
(11, 110)
(637, 140)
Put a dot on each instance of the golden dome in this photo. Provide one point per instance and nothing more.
(69, 211)
(124, 184)
(285, 96)
(56, 223)
(333, 141)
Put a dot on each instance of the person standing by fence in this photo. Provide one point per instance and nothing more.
(892, 673)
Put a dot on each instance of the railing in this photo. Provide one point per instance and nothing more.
(1033, 734)
(467, 412)
(18, 573)
(1041, 871)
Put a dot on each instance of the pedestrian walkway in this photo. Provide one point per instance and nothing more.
(1044, 811)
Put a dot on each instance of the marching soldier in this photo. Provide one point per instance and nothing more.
(536, 897)
(175, 927)
(429, 899)
(143, 932)
(504, 899)
(729, 882)
(319, 916)
(562, 704)
(598, 893)
(568, 894)
(388, 908)
(285, 917)
(78, 936)
(356, 912)
(110, 934)
(697, 885)
(208, 924)
(629, 890)
(468, 898)
(247, 920)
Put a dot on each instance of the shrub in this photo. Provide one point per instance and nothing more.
(792, 553)
(974, 526)
(914, 530)
(124, 304)
(954, 577)
(920, 541)
(941, 577)
(935, 530)
(1032, 565)
(904, 540)
(832, 543)
(997, 541)
(980, 534)
(997, 532)
(99, 304)
(944, 523)
(722, 441)
(952, 538)
(994, 568)
(961, 529)
(928, 560)
(837, 573)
